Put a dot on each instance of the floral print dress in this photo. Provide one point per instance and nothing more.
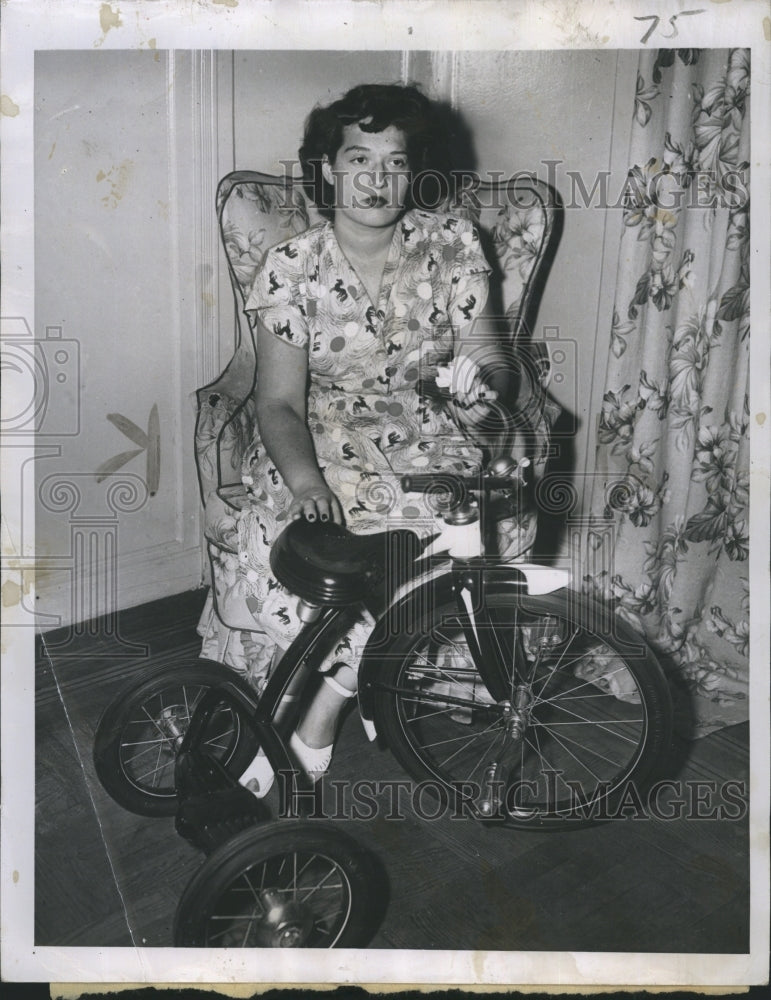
(368, 423)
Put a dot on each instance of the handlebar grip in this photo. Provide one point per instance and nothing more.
(420, 482)
(509, 475)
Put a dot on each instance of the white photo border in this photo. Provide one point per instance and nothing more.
(340, 24)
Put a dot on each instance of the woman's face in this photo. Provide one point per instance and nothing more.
(370, 175)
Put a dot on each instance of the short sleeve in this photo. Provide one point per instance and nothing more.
(470, 275)
(276, 297)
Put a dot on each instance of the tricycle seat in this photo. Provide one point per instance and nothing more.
(325, 564)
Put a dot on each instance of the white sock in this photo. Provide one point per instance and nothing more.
(313, 760)
(258, 777)
(337, 686)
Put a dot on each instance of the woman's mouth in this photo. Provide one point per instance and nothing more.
(374, 201)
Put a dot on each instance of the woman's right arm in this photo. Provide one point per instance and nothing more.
(282, 419)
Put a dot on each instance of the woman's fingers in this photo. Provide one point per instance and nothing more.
(320, 505)
(477, 394)
(303, 507)
(337, 511)
(296, 511)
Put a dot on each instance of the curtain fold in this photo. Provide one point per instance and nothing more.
(673, 434)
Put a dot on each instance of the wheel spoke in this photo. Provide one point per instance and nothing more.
(159, 766)
(252, 891)
(428, 715)
(550, 767)
(188, 709)
(556, 665)
(154, 720)
(601, 726)
(564, 740)
(148, 744)
(319, 885)
(452, 678)
(587, 683)
(327, 917)
(463, 736)
(485, 753)
(469, 741)
(221, 737)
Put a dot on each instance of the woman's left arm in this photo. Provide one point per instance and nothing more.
(486, 384)
(481, 354)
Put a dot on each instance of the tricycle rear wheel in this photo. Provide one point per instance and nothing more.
(291, 883)
(139, 735)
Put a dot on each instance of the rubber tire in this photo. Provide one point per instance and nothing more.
(110, 769)
(652, 685)
(233, 859)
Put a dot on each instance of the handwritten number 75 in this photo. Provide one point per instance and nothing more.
(657, 20)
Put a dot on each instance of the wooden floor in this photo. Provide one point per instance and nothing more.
(105, 877)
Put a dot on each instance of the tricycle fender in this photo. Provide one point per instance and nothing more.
(410, 609)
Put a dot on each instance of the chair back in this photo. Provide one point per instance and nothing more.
(254, 212)
(519, 222)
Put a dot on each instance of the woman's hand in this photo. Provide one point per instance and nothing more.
(467, 393)
(316, 503)
(473, 409)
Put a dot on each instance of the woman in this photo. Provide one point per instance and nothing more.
(349, 316)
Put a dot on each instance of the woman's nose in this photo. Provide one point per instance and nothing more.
(379, 178)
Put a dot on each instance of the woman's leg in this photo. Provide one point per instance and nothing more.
(319, 724)
(314, 739)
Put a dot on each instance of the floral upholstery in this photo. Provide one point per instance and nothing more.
(518, 225)
(516, 222)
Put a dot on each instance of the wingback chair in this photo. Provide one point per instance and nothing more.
(519, 224)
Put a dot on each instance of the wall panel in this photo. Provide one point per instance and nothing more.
(123, 250)
(274, 91)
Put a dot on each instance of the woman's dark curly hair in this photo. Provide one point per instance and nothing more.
(374, 107)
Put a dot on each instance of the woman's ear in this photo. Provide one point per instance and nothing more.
(326, 170)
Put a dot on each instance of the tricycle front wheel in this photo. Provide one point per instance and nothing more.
(586, 719)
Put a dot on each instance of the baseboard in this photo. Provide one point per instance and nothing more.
(57, 600)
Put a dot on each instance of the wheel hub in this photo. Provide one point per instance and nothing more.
(169, 723)
(516, 716)
(286, 924)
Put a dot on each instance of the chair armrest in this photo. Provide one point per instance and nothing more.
(224, 429)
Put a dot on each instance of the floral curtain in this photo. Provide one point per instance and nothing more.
(673, 438)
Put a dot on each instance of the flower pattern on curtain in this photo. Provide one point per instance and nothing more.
(673, 438)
